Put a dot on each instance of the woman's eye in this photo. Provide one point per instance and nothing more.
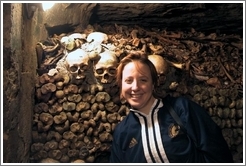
(128, 81)
(143, 80)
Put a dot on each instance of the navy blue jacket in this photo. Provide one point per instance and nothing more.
(156, 138)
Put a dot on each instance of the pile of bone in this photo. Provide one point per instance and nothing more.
(77, 103)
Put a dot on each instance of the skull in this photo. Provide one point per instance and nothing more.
(77, 63)
(97, 37)
(161, 66)
(105, 68)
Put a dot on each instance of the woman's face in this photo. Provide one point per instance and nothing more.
(137, 85)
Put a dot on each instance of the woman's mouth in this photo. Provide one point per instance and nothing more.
(135, 95)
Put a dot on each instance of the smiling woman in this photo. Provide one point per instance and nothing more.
(150, 134)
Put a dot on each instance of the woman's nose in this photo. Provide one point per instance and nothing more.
(135, 85)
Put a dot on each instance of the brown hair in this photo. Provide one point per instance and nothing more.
(135, 57)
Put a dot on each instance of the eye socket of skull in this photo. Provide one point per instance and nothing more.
(161, 78)
(83, 67)
(73, 68)
(112, 71)
(99, 71)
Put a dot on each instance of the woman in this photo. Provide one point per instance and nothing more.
(149, 134)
